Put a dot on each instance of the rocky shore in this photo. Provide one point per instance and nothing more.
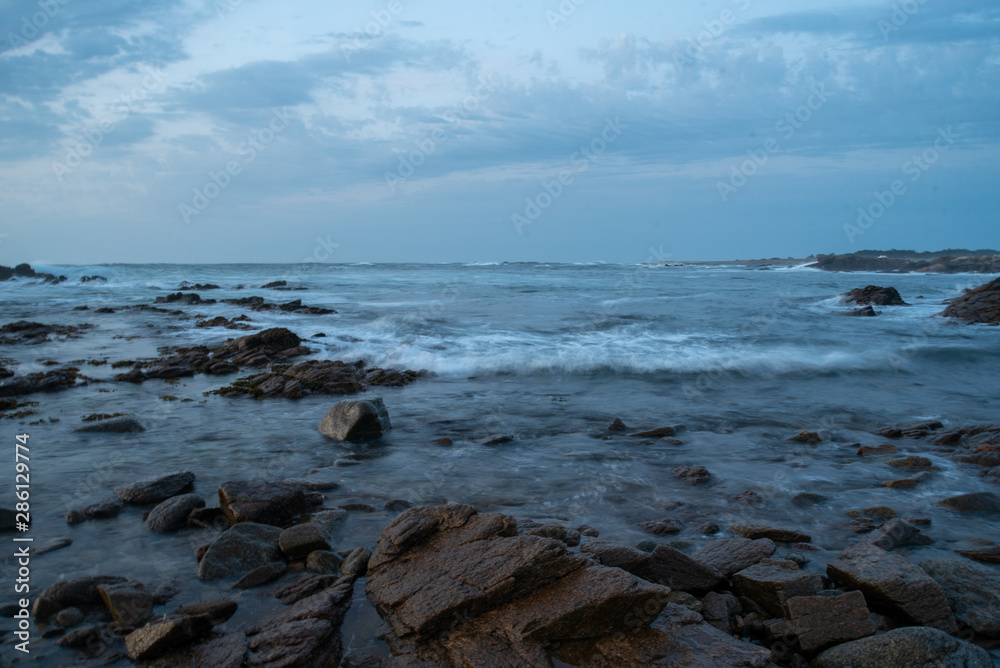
(902, 262)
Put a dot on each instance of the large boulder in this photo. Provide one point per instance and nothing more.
(676, 570)
(817, 622)
(772, 582)
(239, 550)
(893, 585)
(81, 593)
(265, 502)
(172, 514)
(156, 488)
(875, 295)
(981, 305)
(972, 590)
(299, 540)
(912, 646)
(732, 555)
(128, 602)
(356, 421)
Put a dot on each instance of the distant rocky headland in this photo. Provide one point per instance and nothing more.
(950, 261)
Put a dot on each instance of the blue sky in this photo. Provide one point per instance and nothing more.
(581, 130)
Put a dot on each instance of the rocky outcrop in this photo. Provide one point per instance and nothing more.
(902, 262)
(914, 647)
(973, 502)
(356, 421)
(873, 295)
(893, 585)
(731, 555)
(981, 305)
(318, 377)
(42, 381)
(33, 333)
(165, 635)
(758, 530)
(25, 271)
(296, 306)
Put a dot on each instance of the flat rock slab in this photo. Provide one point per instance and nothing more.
(819, 622)
(756, 530)
(892, 584)
(172, 514)
(155, 489)
(913, 647)
(356, 421)
(772, 582)
(731, 555)
(265, 502)
(239, 550)
(972, 590)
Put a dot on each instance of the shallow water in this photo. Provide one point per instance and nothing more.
(548, 354)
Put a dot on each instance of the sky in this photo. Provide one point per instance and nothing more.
(446, 131)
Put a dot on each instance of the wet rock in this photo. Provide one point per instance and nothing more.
(182, 298)
(878, 512)
(866, 312)
(659, 432)
(217, 610)
(692, 475)
(156, 488)
(304, 587)
(731, 555)
(676, 570)
(918, 430)
(893, 585)
(677, 637)
(362, 507)
(499, 440)
(981, 305)
(167, 634)
(356, 563)
(975, 502)
(299, 540)
(720, 609)
(756, 530)
(79, 593)
(911, 462)
(47, 381)
(988, 555)
(772, 582)
(661, 527)
(898, 533)
(396, 505)
(819, 622)
(329, 520)
(617, 425)
(972, 590)
(295, 306)
(70, 617)
(316, 484)
(172, 514)
(262, 575)
(709, 529)
(874, 450)
(914, 647)
(442, 441)
(197, 286)
(208, 518)
(239, 550)
(104, 509)
(356, 421)
(222, 321)
(75, 517)
(805, 437)
(265, 502)
(874, 294)
(324, 562)
(126, 424)
(80, 638)
(905, 483)
(628, 559)
(129, 603)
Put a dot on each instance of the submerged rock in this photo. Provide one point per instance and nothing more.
(125, 424)
(42, 381)
(156, 488)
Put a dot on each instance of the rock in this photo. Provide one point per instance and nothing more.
(972, 590)
(499, 440)
(218, 610)
(618, 556)
(805, 437)
(720, 609)
(125, 424)
(692, 475)
(659, 432)
(975, 502)
(808, 499)
(819, 622)
(873, 450)
(262, 575)
(70, 617)
(81, 638)
(878, 512)
(897, 533)
(209, 518)
(678, 637)
(397, 505)
(181, 298)
(981, 305)
(104, 509)
(172, 514)
(240, 549)
(904, 483)
(167, 634)
(731, 555)
(305, 586)
(617, 425)
(911, 462)
(919, 430)
(156, 488)
(876, 295)
(676, 570)
(709, 529)
(442, 441)
(356, 421)
(660, 527)
(329, 520)
(75, 517)
(913, 647)
(80, 593)
(893, 585)
(299, 540)
(757, 530)
(324, 562)
(129, 603)
(52, 545)
(988, 555)
(312, 484)
(866, 312)
(265, 502)
(356, 563)
(772, 582)
(47, 381)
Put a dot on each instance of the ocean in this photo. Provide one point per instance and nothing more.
(548, 354)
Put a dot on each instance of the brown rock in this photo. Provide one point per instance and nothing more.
(911, 462)
(756, 530)
(692, 475)
(659, 432)
(731, 555)
(165, 635)
(264, 502)
(618, 556)
(772, 582)
(80, 593)
(819, 622)
(676, 570)
(218, 610)
(301, 539)
(660, 527)
(981, 305)
(806, 437)
(988, 555)
(873, 450)
(975, 502)
(129, 603)
(893, 585)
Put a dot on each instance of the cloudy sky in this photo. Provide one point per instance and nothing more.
(439, 130)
